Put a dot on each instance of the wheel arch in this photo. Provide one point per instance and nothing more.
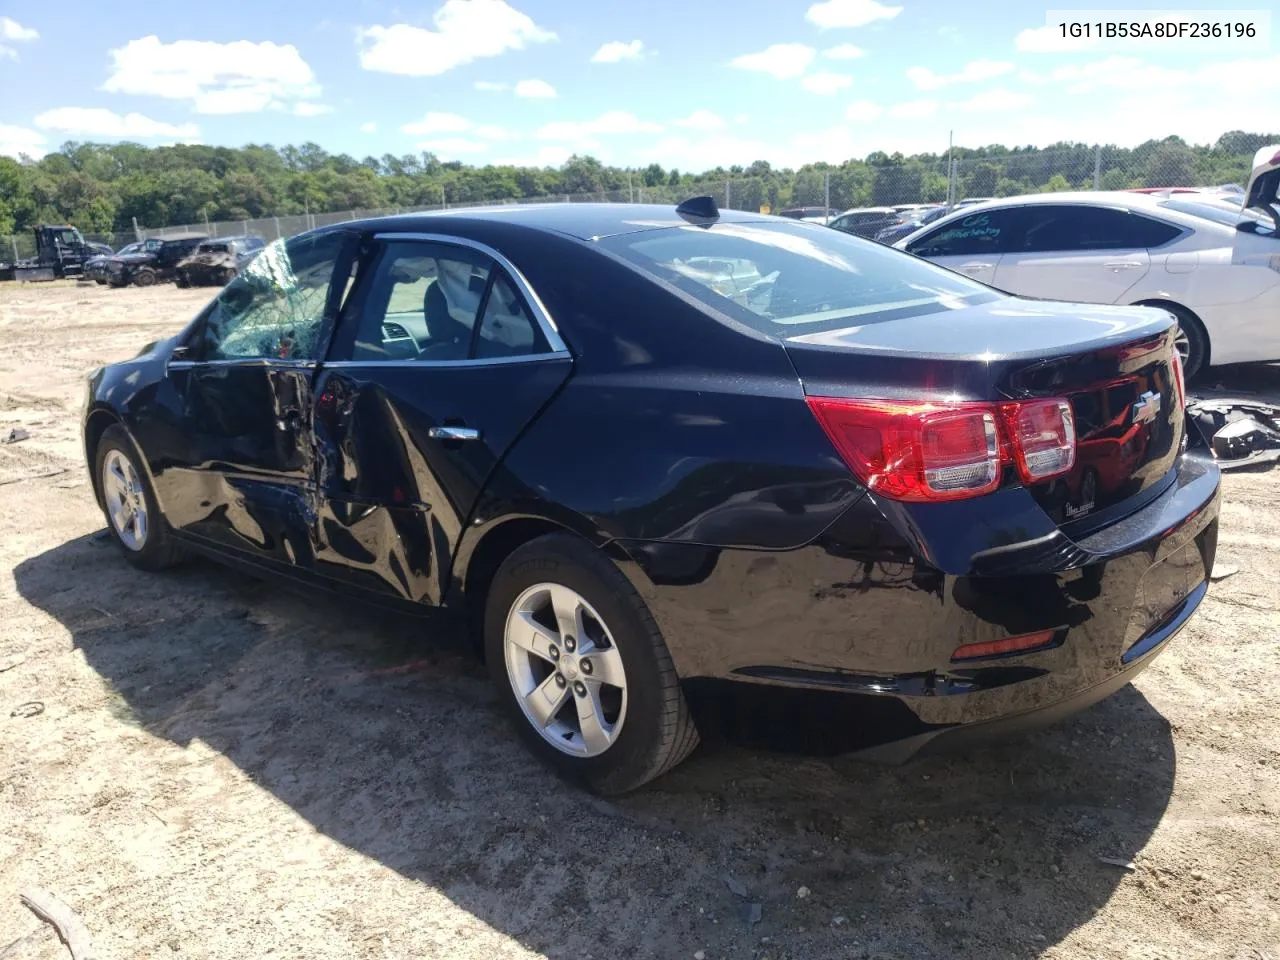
(1180, 311)
(95, 425)
(477, 561)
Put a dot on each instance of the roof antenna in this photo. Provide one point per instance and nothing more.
(699, 210)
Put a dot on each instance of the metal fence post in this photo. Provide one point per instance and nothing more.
(727, 200)
(14, 241)
(137, 234)
(277, 220)
(826, 194)
(1097, 167)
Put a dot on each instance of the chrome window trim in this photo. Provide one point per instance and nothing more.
(246, 362)
(540, 313)
(434, 364)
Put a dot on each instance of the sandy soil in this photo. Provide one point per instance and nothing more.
(225, 770)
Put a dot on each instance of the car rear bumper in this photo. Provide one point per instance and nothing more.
(859, 616)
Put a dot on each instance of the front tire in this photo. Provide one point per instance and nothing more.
(129, 503)
(581, 667)
(145, 277)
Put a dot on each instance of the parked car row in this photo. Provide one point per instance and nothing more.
(188, 259)
(1211, 262)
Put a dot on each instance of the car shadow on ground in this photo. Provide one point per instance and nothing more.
(383, 734)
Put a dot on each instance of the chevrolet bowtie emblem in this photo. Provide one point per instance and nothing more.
(1148, 405)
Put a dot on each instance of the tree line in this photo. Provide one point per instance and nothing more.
(104, 188)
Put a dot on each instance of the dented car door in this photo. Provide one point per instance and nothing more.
(441, 359)
(240, 468)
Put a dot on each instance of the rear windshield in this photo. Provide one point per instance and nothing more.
(214, 248)
(781, 277)
(1228, 216)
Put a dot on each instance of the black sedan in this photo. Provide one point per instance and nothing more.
(647, 449)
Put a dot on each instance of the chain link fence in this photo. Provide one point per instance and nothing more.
(837, 188)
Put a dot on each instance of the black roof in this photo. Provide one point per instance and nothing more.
(585, 221)
(181, 236)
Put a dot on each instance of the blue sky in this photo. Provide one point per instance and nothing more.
(691, 84)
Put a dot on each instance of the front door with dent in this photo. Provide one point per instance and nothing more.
(242, 477)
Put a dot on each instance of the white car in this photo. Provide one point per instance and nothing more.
(1217, 269)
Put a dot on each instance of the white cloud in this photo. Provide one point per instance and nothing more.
(15, 141)
(616, 51)
(826, 83)
(914, 109)
(309, 109)
(369, 127)
(863, 111)
(489, 86)
(782, 60)
(849, 13)
(926, 79)
(1050, 40)
(98, 122)
(998, 100)
(433, 124)
(535, 89)
(12, 30)
(465, 30)
(236, 77)
(702, 120)
(451, 147)
(582, 132)
(844, 51)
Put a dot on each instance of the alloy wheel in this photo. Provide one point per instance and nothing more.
(565, 670)
(126, 500)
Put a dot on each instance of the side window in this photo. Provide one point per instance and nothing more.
(978, 234)
(1063, 227)
(422, 302)
(507, 329)
(275, 308)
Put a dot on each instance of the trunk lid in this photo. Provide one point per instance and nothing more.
(1114, 365)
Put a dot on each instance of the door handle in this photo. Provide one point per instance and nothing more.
(975, 266)
(454, 433)
(1118, 265)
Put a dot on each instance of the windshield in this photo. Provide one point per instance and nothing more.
(213, 248)
(774, 275)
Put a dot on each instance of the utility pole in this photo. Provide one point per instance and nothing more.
(137, 234)
(727, 205)
(1097, 167)
(826, 192)
(951, 168)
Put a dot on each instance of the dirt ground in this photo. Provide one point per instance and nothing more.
(217, 768)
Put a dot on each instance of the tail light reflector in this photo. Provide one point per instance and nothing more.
(1004, 646)
(947, 451)
(1179, 378)
(1043, 434)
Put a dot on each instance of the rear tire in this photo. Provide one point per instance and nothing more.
(634, 729)
(182, 281)
(129, 503)
(1193, 340)
(145, 277)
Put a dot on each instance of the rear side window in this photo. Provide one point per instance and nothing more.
(775, 276)
(1064, 227)
(436, 302)
(988, 232)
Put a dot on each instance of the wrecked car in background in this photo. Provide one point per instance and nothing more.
(152, 264)
(216, 262)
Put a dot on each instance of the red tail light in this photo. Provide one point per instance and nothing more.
(1043, 434)
(947, 451)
